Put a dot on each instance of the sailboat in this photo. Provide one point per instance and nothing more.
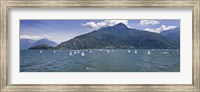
(165, 52)
(82, 54)
(78, 51)
(149, 52)
(54, 51)
(129, 51)
(74, 52)
(70, 53)
(40, 51)
(90, 51)
(135, 51)
(108, 51)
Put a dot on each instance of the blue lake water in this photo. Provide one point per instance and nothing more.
(121, 60)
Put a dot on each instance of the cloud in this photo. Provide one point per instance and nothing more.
(95, 26)
(160, 29)
(149, 22)
(34, 37)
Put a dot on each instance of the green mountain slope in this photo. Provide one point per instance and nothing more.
(118, 36)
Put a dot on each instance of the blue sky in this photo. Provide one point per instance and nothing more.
(62, 30)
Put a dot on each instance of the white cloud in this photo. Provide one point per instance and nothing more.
(149, 22)
(34, 37)
(160, 29)
(95, 26)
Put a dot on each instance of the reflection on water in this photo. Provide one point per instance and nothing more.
(100, 60)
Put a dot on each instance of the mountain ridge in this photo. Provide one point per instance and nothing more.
(41, 47)
(27, 43)
(173, 34)
(45, 41)
(117, 36)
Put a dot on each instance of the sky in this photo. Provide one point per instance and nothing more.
(63, 30)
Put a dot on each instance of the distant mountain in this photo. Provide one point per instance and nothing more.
(41, 47)
(26, 43)
(45, 41)
(118, 36)
(173, 34)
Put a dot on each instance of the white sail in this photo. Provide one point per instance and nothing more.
(82, 54)
(78, 51)
(165, 52)
(90, 51)
(40, 51)
(74, 52)
(108, 51)
(54, 51)
(149, 52)
(129, 51)
(70, 53)
(135, 51)
(88, 68)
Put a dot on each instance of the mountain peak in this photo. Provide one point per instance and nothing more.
(120, 25)
(45, 41)
(118, 36)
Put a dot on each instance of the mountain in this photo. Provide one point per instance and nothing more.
(118, 36)
(45, 41)
(26, 43)
(41, 47)
(173, 34)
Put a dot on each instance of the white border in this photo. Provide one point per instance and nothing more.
(183, 77)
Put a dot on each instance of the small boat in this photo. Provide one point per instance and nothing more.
(129, 51)
(108, 51)
(112, 50)
(165, 52)
(74, 52)
(149, 52)
(82, 54)
(90, 51)
(54, 51)
(135, 51)
(78, 51)
(88, 68)
(70, 53)
(40, 51)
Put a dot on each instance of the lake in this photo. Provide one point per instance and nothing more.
(100, 60)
